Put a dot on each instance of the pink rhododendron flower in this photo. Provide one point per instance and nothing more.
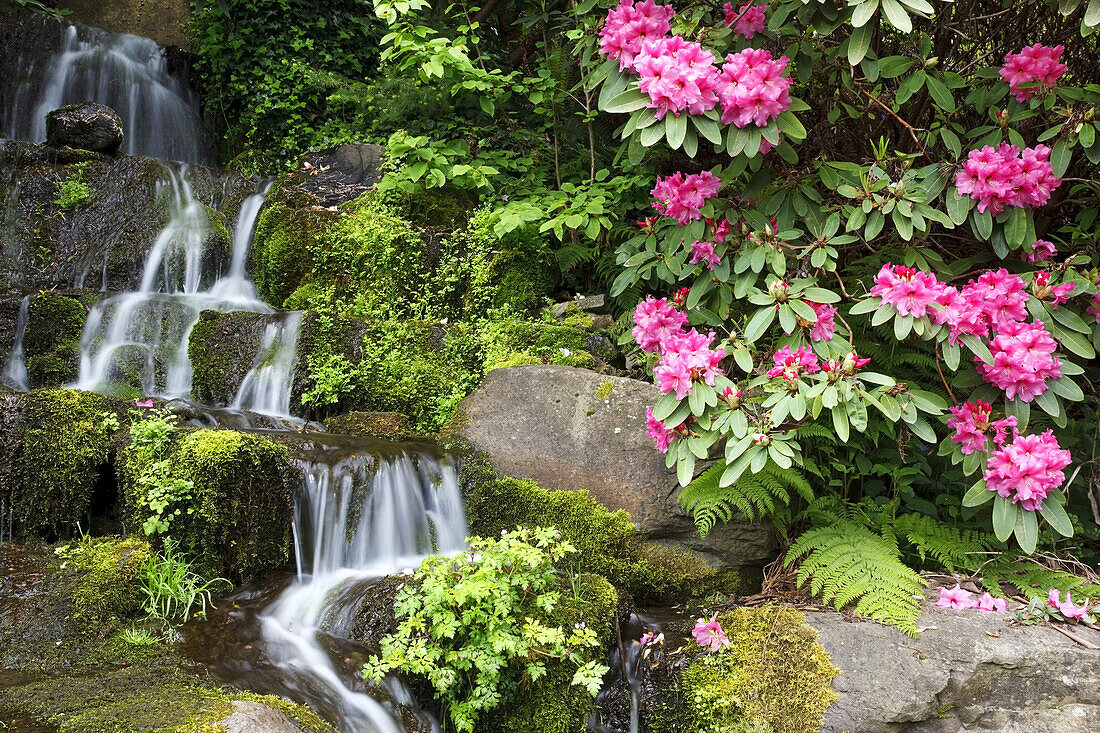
(681, 296)
(970, 423)
(146, 403)
(1004, 176)
(655, 321)
(721, 230)
(752, 88)
(704, 252)
(910, 291)
(824, 328)
(1067, 609)
(957, 598)
(1027, 469)
(1043, 290)
(687, 358)
(657, 430)
(629, 26)
(1036, 63)
(682, 197)
(709, 634)
(1023, 360)
(651, 637)
(677, 75)
(1041, 251)
(747, 21)
(990, 603)
(791, 364)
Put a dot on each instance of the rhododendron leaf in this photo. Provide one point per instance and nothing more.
(1048, 402)
(951, 356)
(909, 86)
(759, 323)
(780, 410)
(787, 319)
(1092, 14)
(902, 326)
(941, 95)
(1016, 228)
(977, 347)
(902, 223)
(1055, 514)
(698, 448)
(875, 222)
(923, 430)
(739, 424)
(665, 406)
(840, 422)
(1027, 531)
(982, 224)
(857, 415)
(919, 6)
(803, 310)
(1087, 136)
(1066, 388)
(652, 135)
(685, 469)
(864, 12)
(1074, 342)
(1004, 518)
(957, 206)
(736, 139)
(1020, 410)
(1069, 319)
(978, 494)
(859, 42)
(1060, 155)
(737, 467)
(696, 401)
(675, 130)
(971, 463)
(752, 144)
(615, 85)
(708, 128)
(866, 305)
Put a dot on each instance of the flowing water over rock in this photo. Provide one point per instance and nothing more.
(60, 63)
(15, 370)
(364, 510)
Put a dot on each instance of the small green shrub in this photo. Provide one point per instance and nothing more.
(73, 191)
(161, 495)
(477, 625)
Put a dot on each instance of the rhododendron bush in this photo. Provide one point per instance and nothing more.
(874, 233)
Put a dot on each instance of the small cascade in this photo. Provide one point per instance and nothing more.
(160, 116)
(357, 518)
(266, 387)
(140, 338)
(618, 705)
(15, 371)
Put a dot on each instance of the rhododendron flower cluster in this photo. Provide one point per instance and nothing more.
(657, 430)
(629, 26)
(960, 599)
(709, 634)
(911, 291)
(686, 356)
(824, 327)
(746, 21)
(677, 75)
(1003, 176)
(1027, 469)
(1036, 63)
(971, 422)
(1041, 251)
(1057, 294)
(682, 197)
(1067, 607)
(704, 252)
(1023, 360)
(655, 321)
(753, 88)
(996, 297)
(791, 364)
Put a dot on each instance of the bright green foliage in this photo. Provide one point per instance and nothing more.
(773, 677)
(110, 586)
(73, 191)
(479, 625)
(765, 493)
(160, 495)
(51, 342)
(1030, 578)
(848, 563)
(606, 542)
(171, 588)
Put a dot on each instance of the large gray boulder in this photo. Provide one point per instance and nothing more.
(86, 126)
(969, 671)
(569, 428)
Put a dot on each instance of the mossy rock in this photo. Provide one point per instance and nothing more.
(110, 586)
(772, 677)
(51, 343)
(241, 505)
(515, 343)
(446, 208)
(386, 425)
(222, 348)
(61, 461)
(607, 543)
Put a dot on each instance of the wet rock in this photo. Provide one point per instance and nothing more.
(85, 126)
(969, 671)
(590, 304)
(165, 21)
(569, 428)
(254, 717)
(386, 425)
(222, 348)
(342, 173)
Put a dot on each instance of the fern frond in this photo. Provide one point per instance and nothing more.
(950, 546)
(847, 563)
(815, 430)
(1030, 578)
(764, 494)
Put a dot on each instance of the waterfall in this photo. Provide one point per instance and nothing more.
(357, 518)
(61, 63)
(140, 337)
(266, 387)
(15, 371)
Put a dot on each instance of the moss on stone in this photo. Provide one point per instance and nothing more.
(65, 448)
(242, 506)
(222, 348)
(607, 542)
(511, 343)
(387, 425)
(51, 343)
(773, 676)
(109, 586)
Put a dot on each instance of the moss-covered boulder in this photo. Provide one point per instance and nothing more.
(51, 342)
(516, 343)
(109, 586)
(222, 348)
(607, 543)
(772, 677)
(241, 505)
(385, 425)
(55, 459)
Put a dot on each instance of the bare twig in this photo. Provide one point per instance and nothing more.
(1077, 639)
(894, 114)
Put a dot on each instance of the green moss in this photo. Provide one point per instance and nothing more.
(510, 343)
(447, 207)
(51, 343)
(604, 390)
(553, 705)
(65, 448)
(607, 543)
(281, 252)
(221, 348)
(773, 676)
(387, 425)
(110, 586)
(241, 501)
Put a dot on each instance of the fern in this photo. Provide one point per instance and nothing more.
(765, 494)
(848, 563)
(951, 547)
(1030, 578)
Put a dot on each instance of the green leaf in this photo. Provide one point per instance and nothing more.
(675, 130)
(840, 422)
(982, 224)
(1060, 156)
(864, 12)
(1016, 227)
(628, 101)
(791, 126)
(1004, 518)
(759, 323)
(1056, 517)
(897, 16)
(940, 93)
(1027, 530)
(859, 42)
(978, 495)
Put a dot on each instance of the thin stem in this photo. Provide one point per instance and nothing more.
(894, 114)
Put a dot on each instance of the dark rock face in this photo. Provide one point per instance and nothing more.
(342, 173)
(969, 671)
(222, 347)
(87, 126)
(550, 424)
(102, 242)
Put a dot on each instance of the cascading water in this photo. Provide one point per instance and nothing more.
(15, 371)
(266, 387)
(127, 73)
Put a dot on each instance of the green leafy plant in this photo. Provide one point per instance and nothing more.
(136, 636)
(73, 191)
(172, 589)
(475, 625)
(162, 495)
